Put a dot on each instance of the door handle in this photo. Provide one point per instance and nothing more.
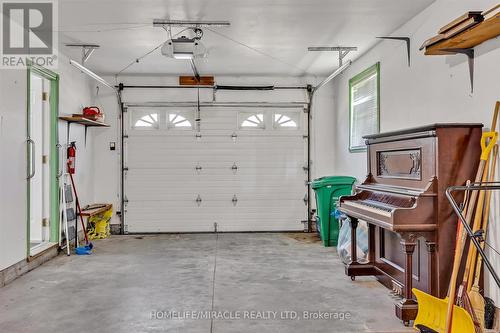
(31, 170)
(60, 155)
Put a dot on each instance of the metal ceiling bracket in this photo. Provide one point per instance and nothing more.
(470, 58)
(342, 50)
(405, 39)
(189, 24)
(87, 50)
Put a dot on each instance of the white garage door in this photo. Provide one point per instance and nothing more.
(243, 169)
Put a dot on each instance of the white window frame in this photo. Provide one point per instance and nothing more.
(356, 133)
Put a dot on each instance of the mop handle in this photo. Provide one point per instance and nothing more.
(79, 210)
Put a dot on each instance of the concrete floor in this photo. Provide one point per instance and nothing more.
(130, 279)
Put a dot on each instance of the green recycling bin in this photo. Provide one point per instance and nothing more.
(328, 190)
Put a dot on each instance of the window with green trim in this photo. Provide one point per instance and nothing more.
(364, 106)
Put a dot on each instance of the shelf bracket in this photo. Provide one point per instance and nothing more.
(86, 127)
(405, 39)
(470, 59)
(68, 131)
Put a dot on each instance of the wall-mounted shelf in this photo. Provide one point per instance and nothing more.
(481, 32)
(83, 121)
(464, 42)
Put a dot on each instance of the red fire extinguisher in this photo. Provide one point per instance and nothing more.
(71, 158)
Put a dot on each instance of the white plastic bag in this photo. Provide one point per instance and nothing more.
(344, 242)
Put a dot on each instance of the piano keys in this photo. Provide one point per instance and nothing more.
(411, 224)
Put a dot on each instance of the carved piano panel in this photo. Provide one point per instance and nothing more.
(408, 163)
(401, 164)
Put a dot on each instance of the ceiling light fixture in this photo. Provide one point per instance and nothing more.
(91, 74)
(184, 48)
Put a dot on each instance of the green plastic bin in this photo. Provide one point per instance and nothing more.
(328, 190)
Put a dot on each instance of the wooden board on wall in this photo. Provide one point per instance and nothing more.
(469, 38)
(192, 81)
(476, 15)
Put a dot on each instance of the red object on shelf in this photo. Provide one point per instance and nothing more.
(93, 112)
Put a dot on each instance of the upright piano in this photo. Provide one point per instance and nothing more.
(411, 225)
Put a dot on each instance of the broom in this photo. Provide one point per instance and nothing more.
(431, 316)
(87, 249)
(475, 297)
(468, 217)
(491, 178)
(485, 154)
(462, 296)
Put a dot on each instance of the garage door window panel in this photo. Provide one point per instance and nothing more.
(286, 121)
(252, 121)
(145, 120)
(180, 120)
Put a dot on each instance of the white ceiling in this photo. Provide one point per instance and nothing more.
(279, 31)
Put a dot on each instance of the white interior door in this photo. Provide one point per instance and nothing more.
(243, 169)
(39, 146)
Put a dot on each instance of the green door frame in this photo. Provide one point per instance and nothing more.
(54, 151)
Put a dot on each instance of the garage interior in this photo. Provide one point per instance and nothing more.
(230, 166)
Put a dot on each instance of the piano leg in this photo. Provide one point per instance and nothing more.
(431, 269)
(406, 309)
(354, 268)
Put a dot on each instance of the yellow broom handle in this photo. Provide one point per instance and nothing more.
(459, 249)
(485, 223)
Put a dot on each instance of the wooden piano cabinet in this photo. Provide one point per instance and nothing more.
(412, 227)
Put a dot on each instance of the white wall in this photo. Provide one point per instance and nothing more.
(74, 93)
(434, 89)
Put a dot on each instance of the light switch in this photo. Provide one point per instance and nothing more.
(112, 146)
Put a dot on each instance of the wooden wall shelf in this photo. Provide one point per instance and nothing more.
(488, 29)
(83, 121)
